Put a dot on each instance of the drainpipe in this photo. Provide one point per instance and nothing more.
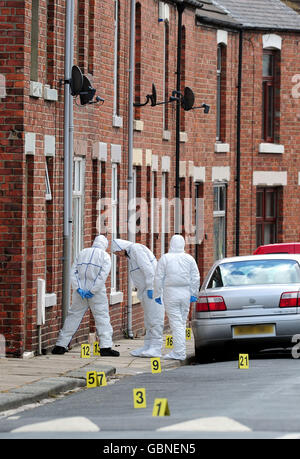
(180, 9)
(130, 157)
(68, 159)
(238, 146)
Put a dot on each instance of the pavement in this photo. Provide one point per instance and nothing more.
(32, 380)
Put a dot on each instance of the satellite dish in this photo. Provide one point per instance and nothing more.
(87, 91)
(188, 99)
(76, 81)
(153, 96)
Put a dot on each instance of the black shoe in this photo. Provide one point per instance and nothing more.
(109, 352)
(59, 350)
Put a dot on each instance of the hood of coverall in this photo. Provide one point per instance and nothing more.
(177, 244)
(118, 245)
(100, 242)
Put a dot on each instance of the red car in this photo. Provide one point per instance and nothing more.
(290, 247)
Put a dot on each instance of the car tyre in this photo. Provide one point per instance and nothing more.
(204, 355)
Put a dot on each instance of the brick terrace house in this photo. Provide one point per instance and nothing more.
(240, 160)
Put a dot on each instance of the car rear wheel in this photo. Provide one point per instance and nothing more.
(204, 355)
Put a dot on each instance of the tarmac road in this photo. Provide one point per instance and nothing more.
(216, 400)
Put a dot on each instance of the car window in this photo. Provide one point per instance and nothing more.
(254, 272)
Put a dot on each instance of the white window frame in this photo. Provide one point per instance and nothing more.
(114, 217)
(134, 177)
(117, 119)
(99, 198)
(48, 194)
(221, 213)
(218, 104)
(163, 211)
(152, 211)
(78, 204)
(166, 25)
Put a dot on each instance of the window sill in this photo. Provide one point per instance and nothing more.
(135, 299)
(138, 125)
(36, 89)
(116, 297)
(50, 300)
(117, 121)
(222, 147)
(166, 135)
(271, 148)
(50, 94)
(183, 137)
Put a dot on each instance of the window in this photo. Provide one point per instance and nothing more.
(164, 211)
(134, 180)
(50, 42)
(91, 34)
(266, 216)
(154, 224)
(81, 32)
(116, 58)
(270, 96)
(34, 40)
(219, 221)
(98, 196)
(221, 92)
(114, 223)
(48, 186)
(199, 223)
(183, 72)
(78, 205)
(166, 76)
(255, 272)
(138, 57)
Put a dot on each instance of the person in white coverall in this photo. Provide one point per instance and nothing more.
(176, 284)
(142, 265)
(88, 277)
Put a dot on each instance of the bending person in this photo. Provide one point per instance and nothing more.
(142, 265)
(177, 282)
(88, 277)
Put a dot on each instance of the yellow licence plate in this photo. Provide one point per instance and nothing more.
(245, 330)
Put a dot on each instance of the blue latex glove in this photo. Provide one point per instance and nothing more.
(150, 294)
(88, 294)
(81, 292)
(193, 299)
(158, 300)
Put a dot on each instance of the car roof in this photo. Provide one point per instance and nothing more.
(267, 256)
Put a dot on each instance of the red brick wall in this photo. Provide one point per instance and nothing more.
(31, 241)
(11, 175)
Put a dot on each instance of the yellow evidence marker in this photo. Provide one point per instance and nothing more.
(161, 407)
(169, 341)
(139, 398)
(188, 334)
(243, 361)
(155, 365)
(96, 349)
(85, 351)
(91, 379)
(101, 378)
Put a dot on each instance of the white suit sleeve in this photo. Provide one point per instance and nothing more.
(144, 264)
(195, 278)
(159, 277)
(102, 272)
(75, 281)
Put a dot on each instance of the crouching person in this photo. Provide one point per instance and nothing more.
(88, 277)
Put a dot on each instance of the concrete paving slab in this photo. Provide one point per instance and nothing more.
(31, 380)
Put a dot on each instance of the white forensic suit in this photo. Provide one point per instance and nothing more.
(89, 274)
(177, 282)
(142, 265)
